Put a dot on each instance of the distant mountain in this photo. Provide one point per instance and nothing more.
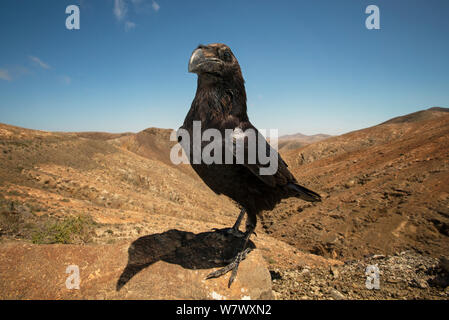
(297, 140)
(431, 113)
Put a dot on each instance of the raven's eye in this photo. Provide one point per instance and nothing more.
(227, 56)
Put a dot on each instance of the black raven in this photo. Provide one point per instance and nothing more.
(220, 103)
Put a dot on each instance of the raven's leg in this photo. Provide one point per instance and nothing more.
(235, 228)
(234, 265)
(239, 220)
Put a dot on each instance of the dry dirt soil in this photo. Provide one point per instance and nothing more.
(385, 203)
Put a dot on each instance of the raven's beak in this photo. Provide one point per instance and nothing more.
(195, 60)
(202, 61)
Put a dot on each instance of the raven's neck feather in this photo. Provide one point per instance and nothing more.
(217, 99)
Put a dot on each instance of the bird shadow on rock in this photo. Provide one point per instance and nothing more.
(204, 250)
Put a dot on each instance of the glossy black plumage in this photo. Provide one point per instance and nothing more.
(220, 103)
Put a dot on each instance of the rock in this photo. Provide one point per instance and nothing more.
(419, 283)
(422, 284)
(159, 266)
(421, 267)
(315, 290)
(337, 295)
(334, 271)
(349, 184)
(305, 270)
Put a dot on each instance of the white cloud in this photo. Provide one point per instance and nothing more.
(156, 6)
(4, 75)
(120, 9)
(129, 25)
(145, 6)
(39, 62)
(140, 6)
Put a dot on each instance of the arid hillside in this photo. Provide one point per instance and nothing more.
(82, 188)
(384, 190)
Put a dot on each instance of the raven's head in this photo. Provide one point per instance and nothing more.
(215, 59)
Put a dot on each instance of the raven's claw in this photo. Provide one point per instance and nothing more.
(234, 265)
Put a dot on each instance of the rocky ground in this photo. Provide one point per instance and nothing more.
(385, 202)
(405, 275)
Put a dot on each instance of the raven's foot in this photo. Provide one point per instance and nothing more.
(230, 232)
(234, 265)
(234, 231)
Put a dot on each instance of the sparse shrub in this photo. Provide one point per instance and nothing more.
(69, 230)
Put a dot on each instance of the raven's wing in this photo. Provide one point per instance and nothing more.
(243, 141)
(281, 177)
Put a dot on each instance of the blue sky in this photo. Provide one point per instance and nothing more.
(310, 66)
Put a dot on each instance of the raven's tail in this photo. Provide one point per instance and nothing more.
(304, 193)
